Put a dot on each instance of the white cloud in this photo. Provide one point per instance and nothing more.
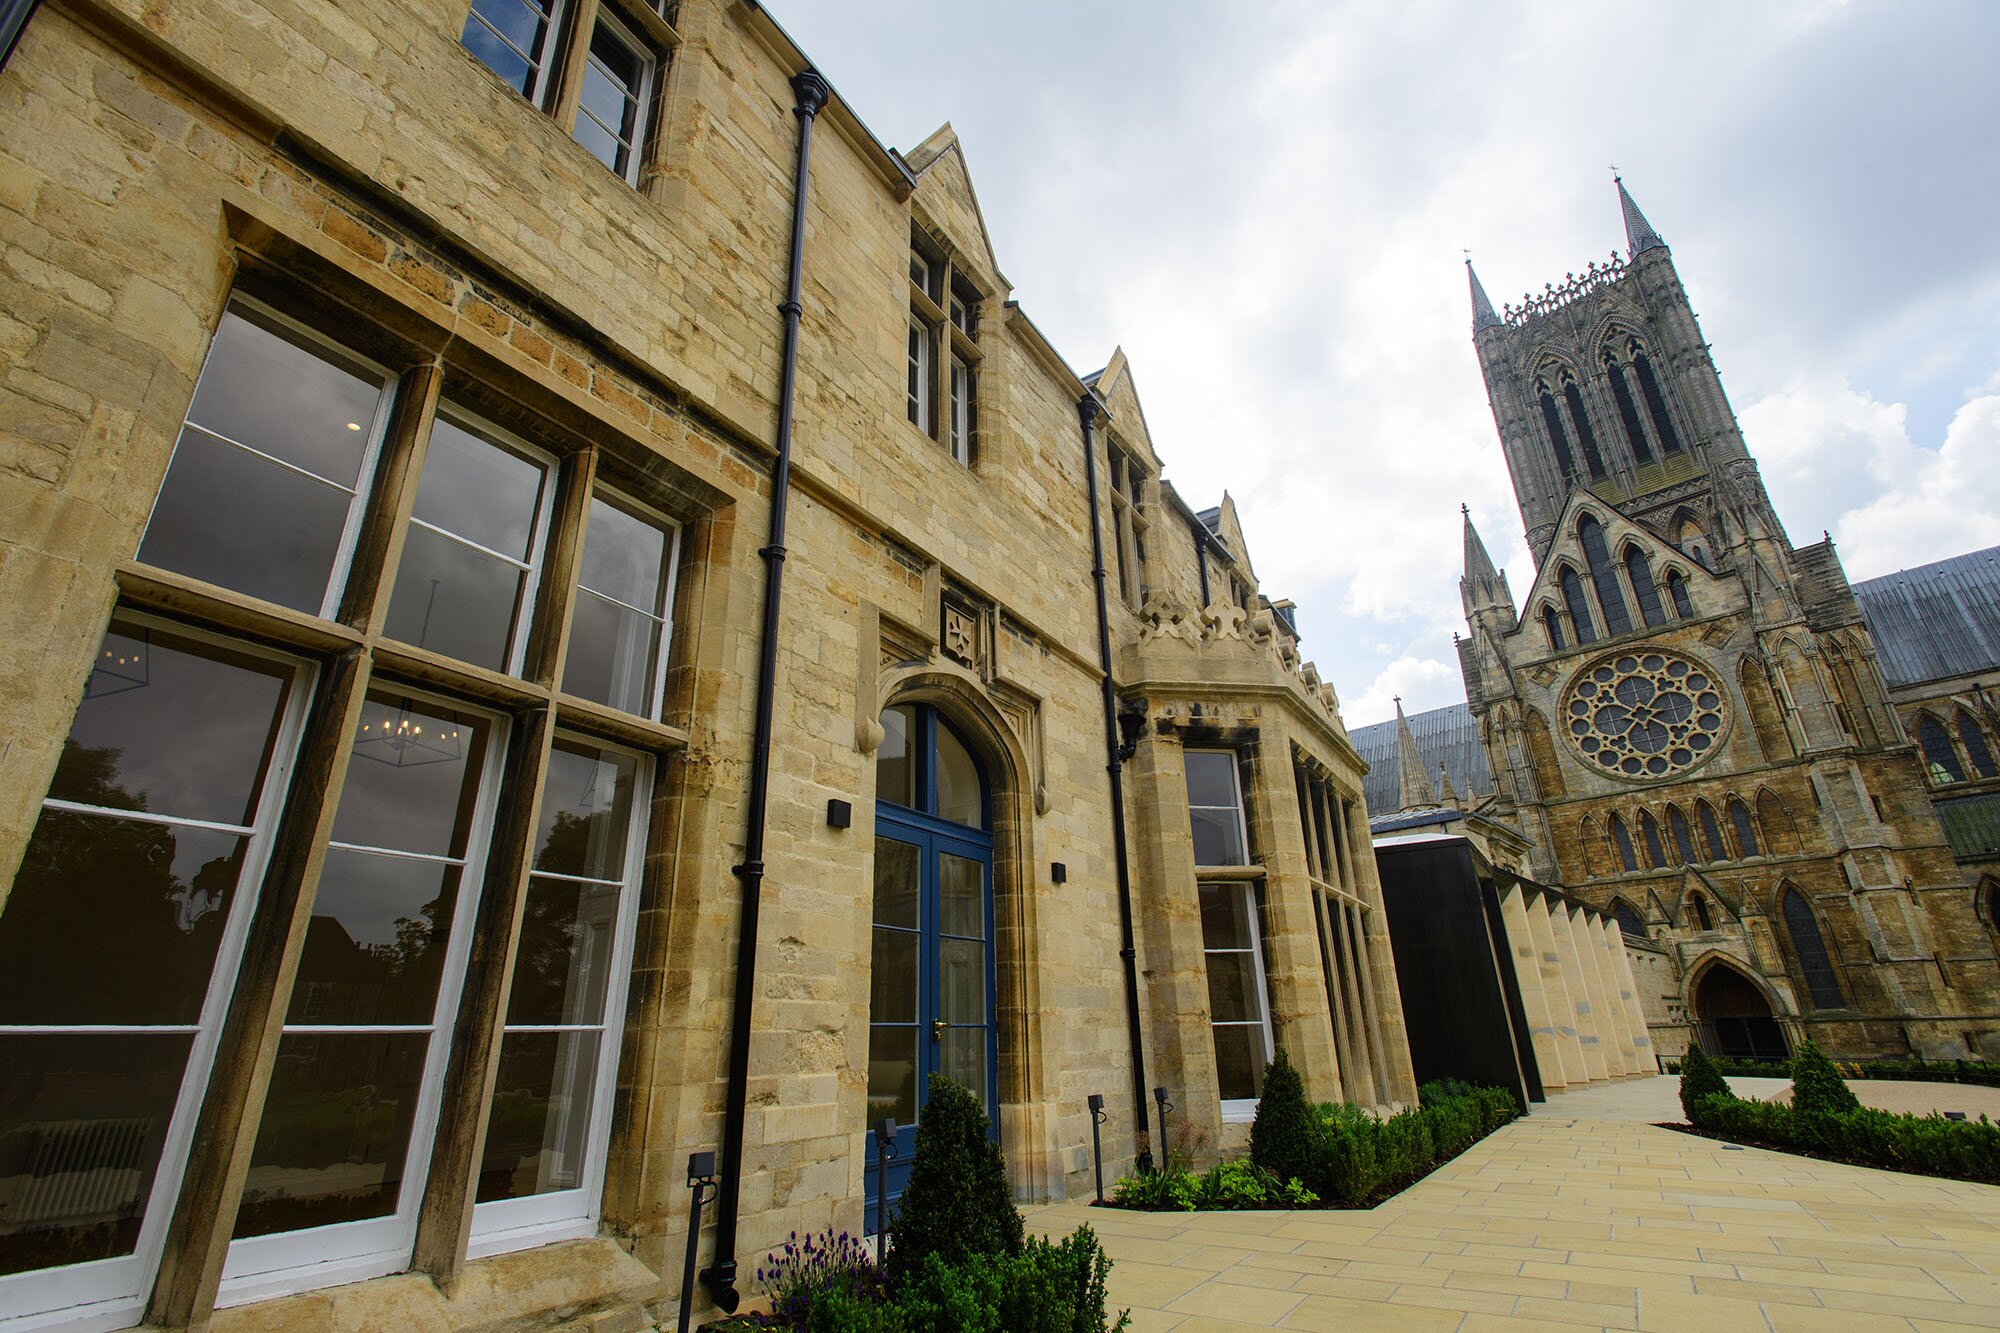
(1405, 676)
(1834, 457)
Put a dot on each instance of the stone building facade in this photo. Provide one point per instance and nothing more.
(391, 455)
(1686, 713)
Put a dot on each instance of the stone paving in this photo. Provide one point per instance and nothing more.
(1584, 1215)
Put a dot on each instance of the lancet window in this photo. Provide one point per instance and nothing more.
(1617, 620)
(1656, 402)
(1821, 978)
(1677, 592)
(1643, 587)
(1552, 623)
(1977, 751)
(1558, 438)
(1623, 840)
(1628, 410)
(1592, 456)
(1579, 605)
(1745, 828)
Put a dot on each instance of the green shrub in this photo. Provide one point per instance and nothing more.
(1699, 1078)
(1171, 1190)
(1057, 1287)
(1817, 1087)
(1282, 1138)
(956, 1204)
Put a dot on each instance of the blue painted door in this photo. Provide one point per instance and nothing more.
(932, 986)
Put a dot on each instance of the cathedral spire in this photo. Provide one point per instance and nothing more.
(1478, 564)
(1482, 308)
(1413, 785)
(1639, 234)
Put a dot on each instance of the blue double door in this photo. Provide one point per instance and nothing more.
(932, 986)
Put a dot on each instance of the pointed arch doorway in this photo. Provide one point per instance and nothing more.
(932, 987)
(1735, 1019)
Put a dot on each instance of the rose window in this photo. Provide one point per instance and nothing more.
(1644, 715)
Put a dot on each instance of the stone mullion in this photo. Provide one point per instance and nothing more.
(1326, 904)
(567, 93)
(1297, 991)
(1353, 970)
(198, 1236)
(555, 595)
(1308, 818)
(393, 493)
(1370, 1013)
(444, 1219)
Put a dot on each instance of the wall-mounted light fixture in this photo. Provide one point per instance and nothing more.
(839, 814)
(1058, 873)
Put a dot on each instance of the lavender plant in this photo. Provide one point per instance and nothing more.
(802, 1271)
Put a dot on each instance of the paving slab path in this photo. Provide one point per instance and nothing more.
(1583, 1215)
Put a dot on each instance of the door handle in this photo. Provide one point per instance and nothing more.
(938, 1027)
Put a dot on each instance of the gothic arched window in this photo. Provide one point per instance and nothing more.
(1677, 589)
(1552, 623)
(1623, 841)
(1699, 905)
(1683, 843)
(1579, 605)
(1643, 588)
(1745, 827)
(1617, 620)
(1628, 412)
(1557, 439)
(1711, 832)
(1656, 402)
(1628, 918)
(1690, 538)
(1821, 978)
(1584, 434)
(1976, 748)
(1656, 854)
(1940, 758)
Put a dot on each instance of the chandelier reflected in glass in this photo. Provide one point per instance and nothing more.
(403, 737)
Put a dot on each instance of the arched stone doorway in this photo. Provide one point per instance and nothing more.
(932, 1000)
(1733, 1018)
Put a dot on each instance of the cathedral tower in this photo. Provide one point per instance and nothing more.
(1685, 713)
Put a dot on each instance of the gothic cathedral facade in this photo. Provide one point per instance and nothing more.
(1686, 715)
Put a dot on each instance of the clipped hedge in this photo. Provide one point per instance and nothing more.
(1340, 1155)
(1824, 1120)
(1977, 1073)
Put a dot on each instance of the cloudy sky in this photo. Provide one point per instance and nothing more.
(1266, 207)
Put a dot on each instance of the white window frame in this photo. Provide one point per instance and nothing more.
(1238, 1109)
(105, 1294)
(642, 95)
(551, 40)
(499, 438)
(646, 513)
(285, 1262)
(377, 430)
(1236, 788)
(500, 1225)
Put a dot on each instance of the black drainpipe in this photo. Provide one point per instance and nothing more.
(720, 1276)
(1087, 411)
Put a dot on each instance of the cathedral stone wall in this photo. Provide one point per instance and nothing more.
(1686, 714)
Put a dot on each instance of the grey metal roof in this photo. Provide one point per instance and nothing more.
(1972, 825)
(1444, 735)
(1936, 621)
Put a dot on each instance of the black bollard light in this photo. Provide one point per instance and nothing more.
(885, 1148)
(1166, 1144)
(1097, 1117)
(701, 1179)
